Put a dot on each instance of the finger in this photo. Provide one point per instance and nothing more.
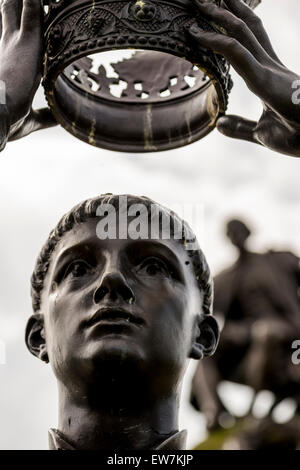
(239, 57)
(254, 23)
(11, 11)
(229, 24)
(223, 4)
(32, 15)
(36, 120)
(237, 128)
(44, 118)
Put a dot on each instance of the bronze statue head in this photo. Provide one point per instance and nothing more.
(238, 233)
(118, 318)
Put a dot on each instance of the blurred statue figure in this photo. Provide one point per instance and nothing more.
(257, 299)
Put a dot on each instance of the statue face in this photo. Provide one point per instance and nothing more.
(124, 303)
(237, 234)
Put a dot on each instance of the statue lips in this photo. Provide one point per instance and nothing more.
(113, 320)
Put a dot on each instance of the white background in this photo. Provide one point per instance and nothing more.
(44, 175)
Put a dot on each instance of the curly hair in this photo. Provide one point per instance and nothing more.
(87, 210)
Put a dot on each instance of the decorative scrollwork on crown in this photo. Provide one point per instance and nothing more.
(139, 22)
(51, 7)
(77, 29)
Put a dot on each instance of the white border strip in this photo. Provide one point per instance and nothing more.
(2, 92)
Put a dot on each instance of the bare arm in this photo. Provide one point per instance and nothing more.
(20, 69)
(243, 41)
(4, 125)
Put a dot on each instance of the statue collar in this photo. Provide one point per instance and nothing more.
(57, 441)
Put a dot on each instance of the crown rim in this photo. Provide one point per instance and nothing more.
(164, 40)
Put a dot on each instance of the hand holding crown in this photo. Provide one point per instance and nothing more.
(243, 41)
(21, 64)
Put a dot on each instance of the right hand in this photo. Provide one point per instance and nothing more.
(21, 51)
(243, 41)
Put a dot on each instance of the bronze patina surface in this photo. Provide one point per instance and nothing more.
(118, 319)
(174, 92)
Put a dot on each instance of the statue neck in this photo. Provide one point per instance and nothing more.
(244, 252)
(116, 425)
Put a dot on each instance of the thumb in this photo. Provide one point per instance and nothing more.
(44, 118)
(34, 121)
(237, 128)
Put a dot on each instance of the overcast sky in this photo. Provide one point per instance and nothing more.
(45, 174)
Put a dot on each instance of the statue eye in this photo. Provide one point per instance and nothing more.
(77, 269)
(153, 267)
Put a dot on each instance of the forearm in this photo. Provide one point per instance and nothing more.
(4, 126)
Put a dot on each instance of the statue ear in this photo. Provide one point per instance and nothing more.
(35, 337)
(206, 337)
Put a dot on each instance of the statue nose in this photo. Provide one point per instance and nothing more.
(114, 286)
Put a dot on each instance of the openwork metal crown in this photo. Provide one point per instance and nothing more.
(167, 95)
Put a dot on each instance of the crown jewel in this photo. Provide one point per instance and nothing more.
(161, 93)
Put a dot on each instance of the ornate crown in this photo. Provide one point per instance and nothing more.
(167, 95)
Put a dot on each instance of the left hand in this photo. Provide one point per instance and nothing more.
(243, 41)
(21, 55)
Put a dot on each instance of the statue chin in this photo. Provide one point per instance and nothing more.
(113, 354)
